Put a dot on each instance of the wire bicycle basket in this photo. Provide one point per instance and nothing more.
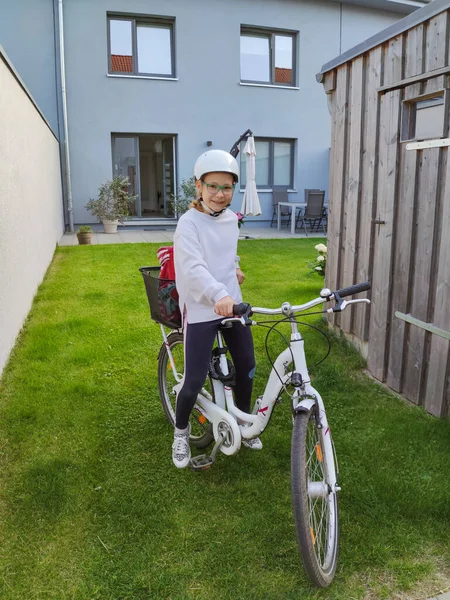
(162, 297)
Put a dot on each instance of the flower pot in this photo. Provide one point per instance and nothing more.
(110, 226)
(84, 237)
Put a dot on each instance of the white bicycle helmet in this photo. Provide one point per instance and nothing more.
(215, 161)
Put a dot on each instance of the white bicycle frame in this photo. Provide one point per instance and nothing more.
(229, 421)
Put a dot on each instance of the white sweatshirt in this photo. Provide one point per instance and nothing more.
(205, 263)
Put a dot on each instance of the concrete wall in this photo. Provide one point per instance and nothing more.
(27, 34)
(31, 219)
(207, 102)
(359, 24)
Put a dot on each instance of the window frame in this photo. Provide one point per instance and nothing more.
(270, 33)
(272, 141)
(408, 119)
(136, 20)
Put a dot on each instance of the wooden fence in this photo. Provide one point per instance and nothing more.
(389, 212)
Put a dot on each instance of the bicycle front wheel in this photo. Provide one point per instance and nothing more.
(314, 503)
(201, 429)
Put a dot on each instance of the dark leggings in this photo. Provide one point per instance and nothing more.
(198, 341)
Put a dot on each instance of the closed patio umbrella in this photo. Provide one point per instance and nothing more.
(250, 203)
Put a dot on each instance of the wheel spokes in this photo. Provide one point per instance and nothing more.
(318, 495)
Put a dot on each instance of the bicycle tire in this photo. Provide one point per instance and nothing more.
(316, 518)
(201, 429)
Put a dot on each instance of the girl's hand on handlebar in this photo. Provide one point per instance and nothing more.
(224, 307)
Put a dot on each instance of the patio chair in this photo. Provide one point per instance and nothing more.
(324, 222)
(285, 211)
(314, 211)
(307, 191)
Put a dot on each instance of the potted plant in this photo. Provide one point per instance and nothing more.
(84, 234)
(186, 193)
(112, 205)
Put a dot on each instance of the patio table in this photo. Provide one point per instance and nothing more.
(294, 206)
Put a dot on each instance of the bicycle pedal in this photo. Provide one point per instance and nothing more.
(201, 462)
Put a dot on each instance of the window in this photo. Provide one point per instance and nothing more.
(274, 163)
(141, 46)
(268, 57)
(425, 117)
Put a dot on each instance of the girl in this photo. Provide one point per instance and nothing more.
(208, 277)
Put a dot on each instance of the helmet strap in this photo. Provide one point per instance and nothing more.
(213, 213)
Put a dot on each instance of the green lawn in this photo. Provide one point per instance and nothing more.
(91, 506)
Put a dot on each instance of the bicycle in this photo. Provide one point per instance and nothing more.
(215, 418)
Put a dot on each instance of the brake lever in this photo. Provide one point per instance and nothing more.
(344, 303)
(240, 320)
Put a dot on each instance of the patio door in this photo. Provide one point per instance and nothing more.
(148, 160)
(125, 151)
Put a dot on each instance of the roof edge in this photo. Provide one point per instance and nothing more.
(404, 7)
(419, 16)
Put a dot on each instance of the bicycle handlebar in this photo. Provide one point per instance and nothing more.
(241, 309)
(245, 310)
(353, 289)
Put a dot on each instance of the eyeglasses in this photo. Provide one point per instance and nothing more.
(213, 188)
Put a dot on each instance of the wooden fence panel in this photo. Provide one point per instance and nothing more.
(422, 264)
(353, 183)
(436, 51)
(437, 385)
(388, 156)
(434, 84)
(368, 185)
(418, 341)
(337, 178)
(414, 51)
(414, 64)
(393, 61)
(436, 42)
(381, 283)
(402, 272)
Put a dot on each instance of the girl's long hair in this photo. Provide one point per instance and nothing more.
(197, 203)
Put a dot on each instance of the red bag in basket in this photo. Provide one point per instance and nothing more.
(167, 291)
(165, 257)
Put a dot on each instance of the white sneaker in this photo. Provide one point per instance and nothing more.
(253, 444)
(181, 451)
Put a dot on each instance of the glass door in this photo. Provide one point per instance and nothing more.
(126, 163)
(168, 147)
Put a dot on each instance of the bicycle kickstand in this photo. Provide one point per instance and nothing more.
(202, 461)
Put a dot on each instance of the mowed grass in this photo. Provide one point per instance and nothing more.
(91, 506)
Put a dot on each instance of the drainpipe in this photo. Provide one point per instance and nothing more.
(64, 110)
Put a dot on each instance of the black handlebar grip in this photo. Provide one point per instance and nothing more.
(354, 289)
(241, 309)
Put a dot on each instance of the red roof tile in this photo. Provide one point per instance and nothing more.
(283, 75)
(121, 63)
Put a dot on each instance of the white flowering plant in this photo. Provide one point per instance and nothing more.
(318, 265)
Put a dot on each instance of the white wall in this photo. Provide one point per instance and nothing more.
(31, 213)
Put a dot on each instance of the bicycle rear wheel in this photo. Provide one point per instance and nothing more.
(314, 503)
(201, 429)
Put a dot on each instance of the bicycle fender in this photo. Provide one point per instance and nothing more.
(305, 405)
